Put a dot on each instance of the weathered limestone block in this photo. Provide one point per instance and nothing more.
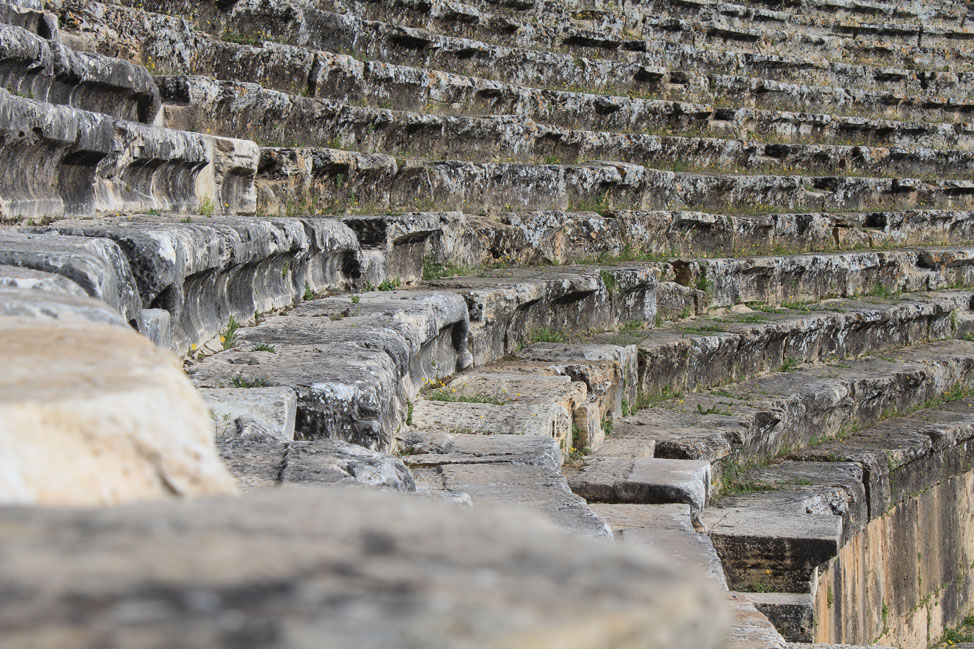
(541, 489)
(791, 613)
(590, 363)
(773, 280)
(423, 449)
(231, 108)
(95, 414)
(255, 414)
(61, 161)
(752, 543)
(545, 419)
(668, 528)
(532, 66)
(29, 15)
(682, 359)
(399, 576)
(28, 278)
(344, 389)
(46, 70)
(332, 461)
(205, 271)
(514, 388)
(646, 480)
(509, 307)
(410, 241)
(97, 266)
(565, 237)
(750, 629)
(320, 179)
(352, 363)
(38, 141)
(42, 304)
(227, 183)
(150, 168)
(761, 417)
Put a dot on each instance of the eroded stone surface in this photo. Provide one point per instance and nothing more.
(669, 528)
(643, 480)
(316, 570)
(95, 414)
(254, 414)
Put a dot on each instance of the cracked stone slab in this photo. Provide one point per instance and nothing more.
(332, 568)
(668, 528)
(644, 480)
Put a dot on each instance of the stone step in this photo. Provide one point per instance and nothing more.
(353, 360)
(565, 237)
(343, 78)
(644, 480)
(274, 65)
(668, 528)
(773, 549)
(883, 479)
(510, 308)
(548, 24)
(541, 489)
(232, 108)
(567, 396)
(203, 271)
(756, 420)
(710, 352)
(410, 338)
(548, 420)
(555, 399)
(791, 613)
(258, 463)
(46, 70)
(62, 161)
(422, 450)
(749, 628)
(385, 86)
(603, 375)
(257, 414)
(803, 12)
(335, 32)
(457, 243)
(555, 30)
(774, 280)
(91, 267)
(540, 585)
(336, 181)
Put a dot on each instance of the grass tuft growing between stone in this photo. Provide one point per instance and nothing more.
(452, 396)
(228, 337)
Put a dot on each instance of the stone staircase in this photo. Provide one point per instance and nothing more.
(690, 275)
